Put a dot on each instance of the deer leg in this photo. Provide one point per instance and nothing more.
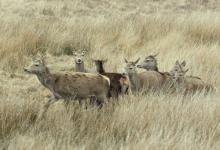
(112, 93)
(99, 103)
(80, 102)
(92, 100)
(123, 90)
(46, 106)
(100, 100)
(126, 90)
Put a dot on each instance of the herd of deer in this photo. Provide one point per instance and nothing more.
(100, 85)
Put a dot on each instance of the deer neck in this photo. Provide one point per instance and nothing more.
(46, 79)
(153, 68)
(100, 69)
(79, 67)
(180, 83)
(134, 81)
(156, 69)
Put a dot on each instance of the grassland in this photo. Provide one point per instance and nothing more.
(185, 30)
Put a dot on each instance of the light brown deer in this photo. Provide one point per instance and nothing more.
(70, 86)
(144, 81)
(79, 60)
(188, 84)
(150, 64)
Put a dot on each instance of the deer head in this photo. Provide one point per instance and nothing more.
(178, 67)
(99, 63)
(130, 66)
(149, 63)
(178, 72)
(38, 65)
(79, 56)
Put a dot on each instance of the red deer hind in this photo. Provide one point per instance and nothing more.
(70, 86)
(119, 83)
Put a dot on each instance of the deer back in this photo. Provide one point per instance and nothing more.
(81, 85)
(150, 79)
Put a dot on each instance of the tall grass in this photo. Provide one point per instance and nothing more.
(185, 30)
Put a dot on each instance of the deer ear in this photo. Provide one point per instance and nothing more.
(155, 55)
(74, 51)
(177, 62)
(186, 70)
(33, 58)
(183, 63)
(137, 60)
(126, 61)
(39, 56)
(84, 51)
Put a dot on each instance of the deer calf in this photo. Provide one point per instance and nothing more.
(187, 84)
(70, 86)
(119, 83)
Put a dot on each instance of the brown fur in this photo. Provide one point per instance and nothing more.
(125, 84)
(150, 80)
(188, 84)
(193, 85)
(70, 86)
(78, 85)
(145, 81)
(150, 64)
(119, 83)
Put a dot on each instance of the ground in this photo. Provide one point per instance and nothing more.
(179, 30)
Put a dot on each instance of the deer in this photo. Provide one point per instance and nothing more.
(180, 67)
(150, 64)
(188, 84)
(79, 60)
(144, 81)
(119, 83)
(70, 86)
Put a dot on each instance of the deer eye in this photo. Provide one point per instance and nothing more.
(36, 65)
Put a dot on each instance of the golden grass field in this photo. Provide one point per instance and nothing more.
(179, 30)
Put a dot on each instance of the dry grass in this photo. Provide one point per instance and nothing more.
(185, 29)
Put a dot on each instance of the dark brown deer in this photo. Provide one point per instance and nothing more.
(119, 83)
